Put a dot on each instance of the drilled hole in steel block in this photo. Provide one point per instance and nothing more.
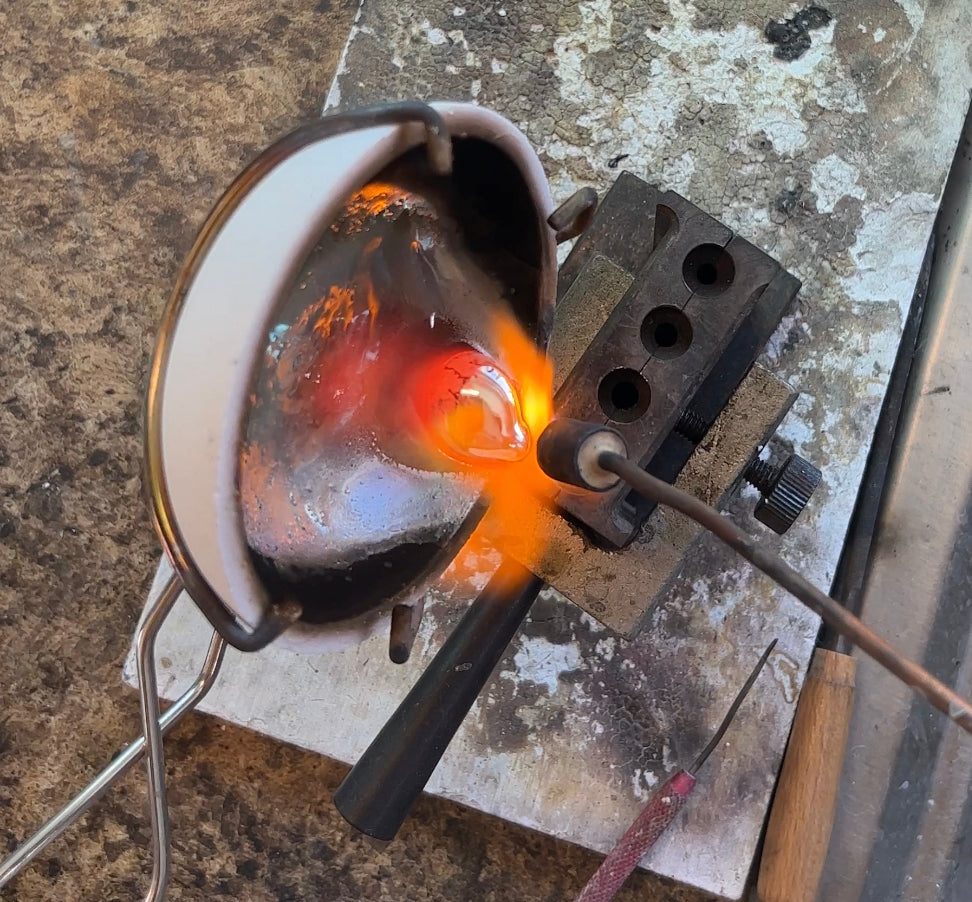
(708, 270)
(624, 395)
(666, 332)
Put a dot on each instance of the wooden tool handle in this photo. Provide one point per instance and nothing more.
(799, 827)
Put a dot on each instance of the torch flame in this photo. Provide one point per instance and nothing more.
(485, 413)
(530, 369)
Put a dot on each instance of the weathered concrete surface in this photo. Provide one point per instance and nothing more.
(832, 160)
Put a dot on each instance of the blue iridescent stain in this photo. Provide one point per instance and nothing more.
(277, 335)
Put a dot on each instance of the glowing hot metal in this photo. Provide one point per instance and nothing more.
(472, 410)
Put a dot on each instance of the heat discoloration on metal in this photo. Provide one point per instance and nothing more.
(831, 163)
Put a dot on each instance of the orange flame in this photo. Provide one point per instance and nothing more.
(530, 369)
(500, 445)
(375, 199)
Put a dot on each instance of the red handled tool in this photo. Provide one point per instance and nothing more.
(660, 811)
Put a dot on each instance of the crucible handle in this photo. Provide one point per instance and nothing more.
(381, 788)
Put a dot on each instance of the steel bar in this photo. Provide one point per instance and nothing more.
(405, 622)
(148, 694)
(920, 680)
(24, 854)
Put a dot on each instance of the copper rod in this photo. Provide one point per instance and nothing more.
(835, 615)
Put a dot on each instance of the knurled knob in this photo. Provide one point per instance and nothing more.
(785, 490)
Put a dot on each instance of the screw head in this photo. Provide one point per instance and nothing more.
(788, 494)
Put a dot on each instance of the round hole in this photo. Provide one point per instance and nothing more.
(624, 395)
(708, 270)
(666, 333)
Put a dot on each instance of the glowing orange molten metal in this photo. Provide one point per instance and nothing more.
(486, 414)
(472, 410)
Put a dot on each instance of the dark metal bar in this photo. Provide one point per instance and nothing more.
(405, 621)
(381, 788)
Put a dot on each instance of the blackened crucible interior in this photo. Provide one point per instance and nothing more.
(339, 510)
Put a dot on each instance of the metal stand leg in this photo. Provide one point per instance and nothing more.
(148, 693)
(120, 764)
